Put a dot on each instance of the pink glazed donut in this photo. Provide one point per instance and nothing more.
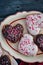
(34, 23)
(26, 46)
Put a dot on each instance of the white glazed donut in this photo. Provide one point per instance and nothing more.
(41, 22)
(26, 45)
(34, 22)
(34, 29)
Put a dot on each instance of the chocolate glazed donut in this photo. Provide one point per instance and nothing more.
(12, 33)
(39, 41)
(5, 60)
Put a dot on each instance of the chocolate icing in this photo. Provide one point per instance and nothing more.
(12, 33)
(39, 41)
(4, 60)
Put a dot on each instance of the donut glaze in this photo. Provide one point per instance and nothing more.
(12, 33)
(26, 46)
(39, 41)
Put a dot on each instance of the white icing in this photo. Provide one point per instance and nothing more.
(34, 23)
(26, 45)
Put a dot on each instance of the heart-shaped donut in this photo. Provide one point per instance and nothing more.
(12, 33)
(34, 23)
(26, 45)
(39, 41)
